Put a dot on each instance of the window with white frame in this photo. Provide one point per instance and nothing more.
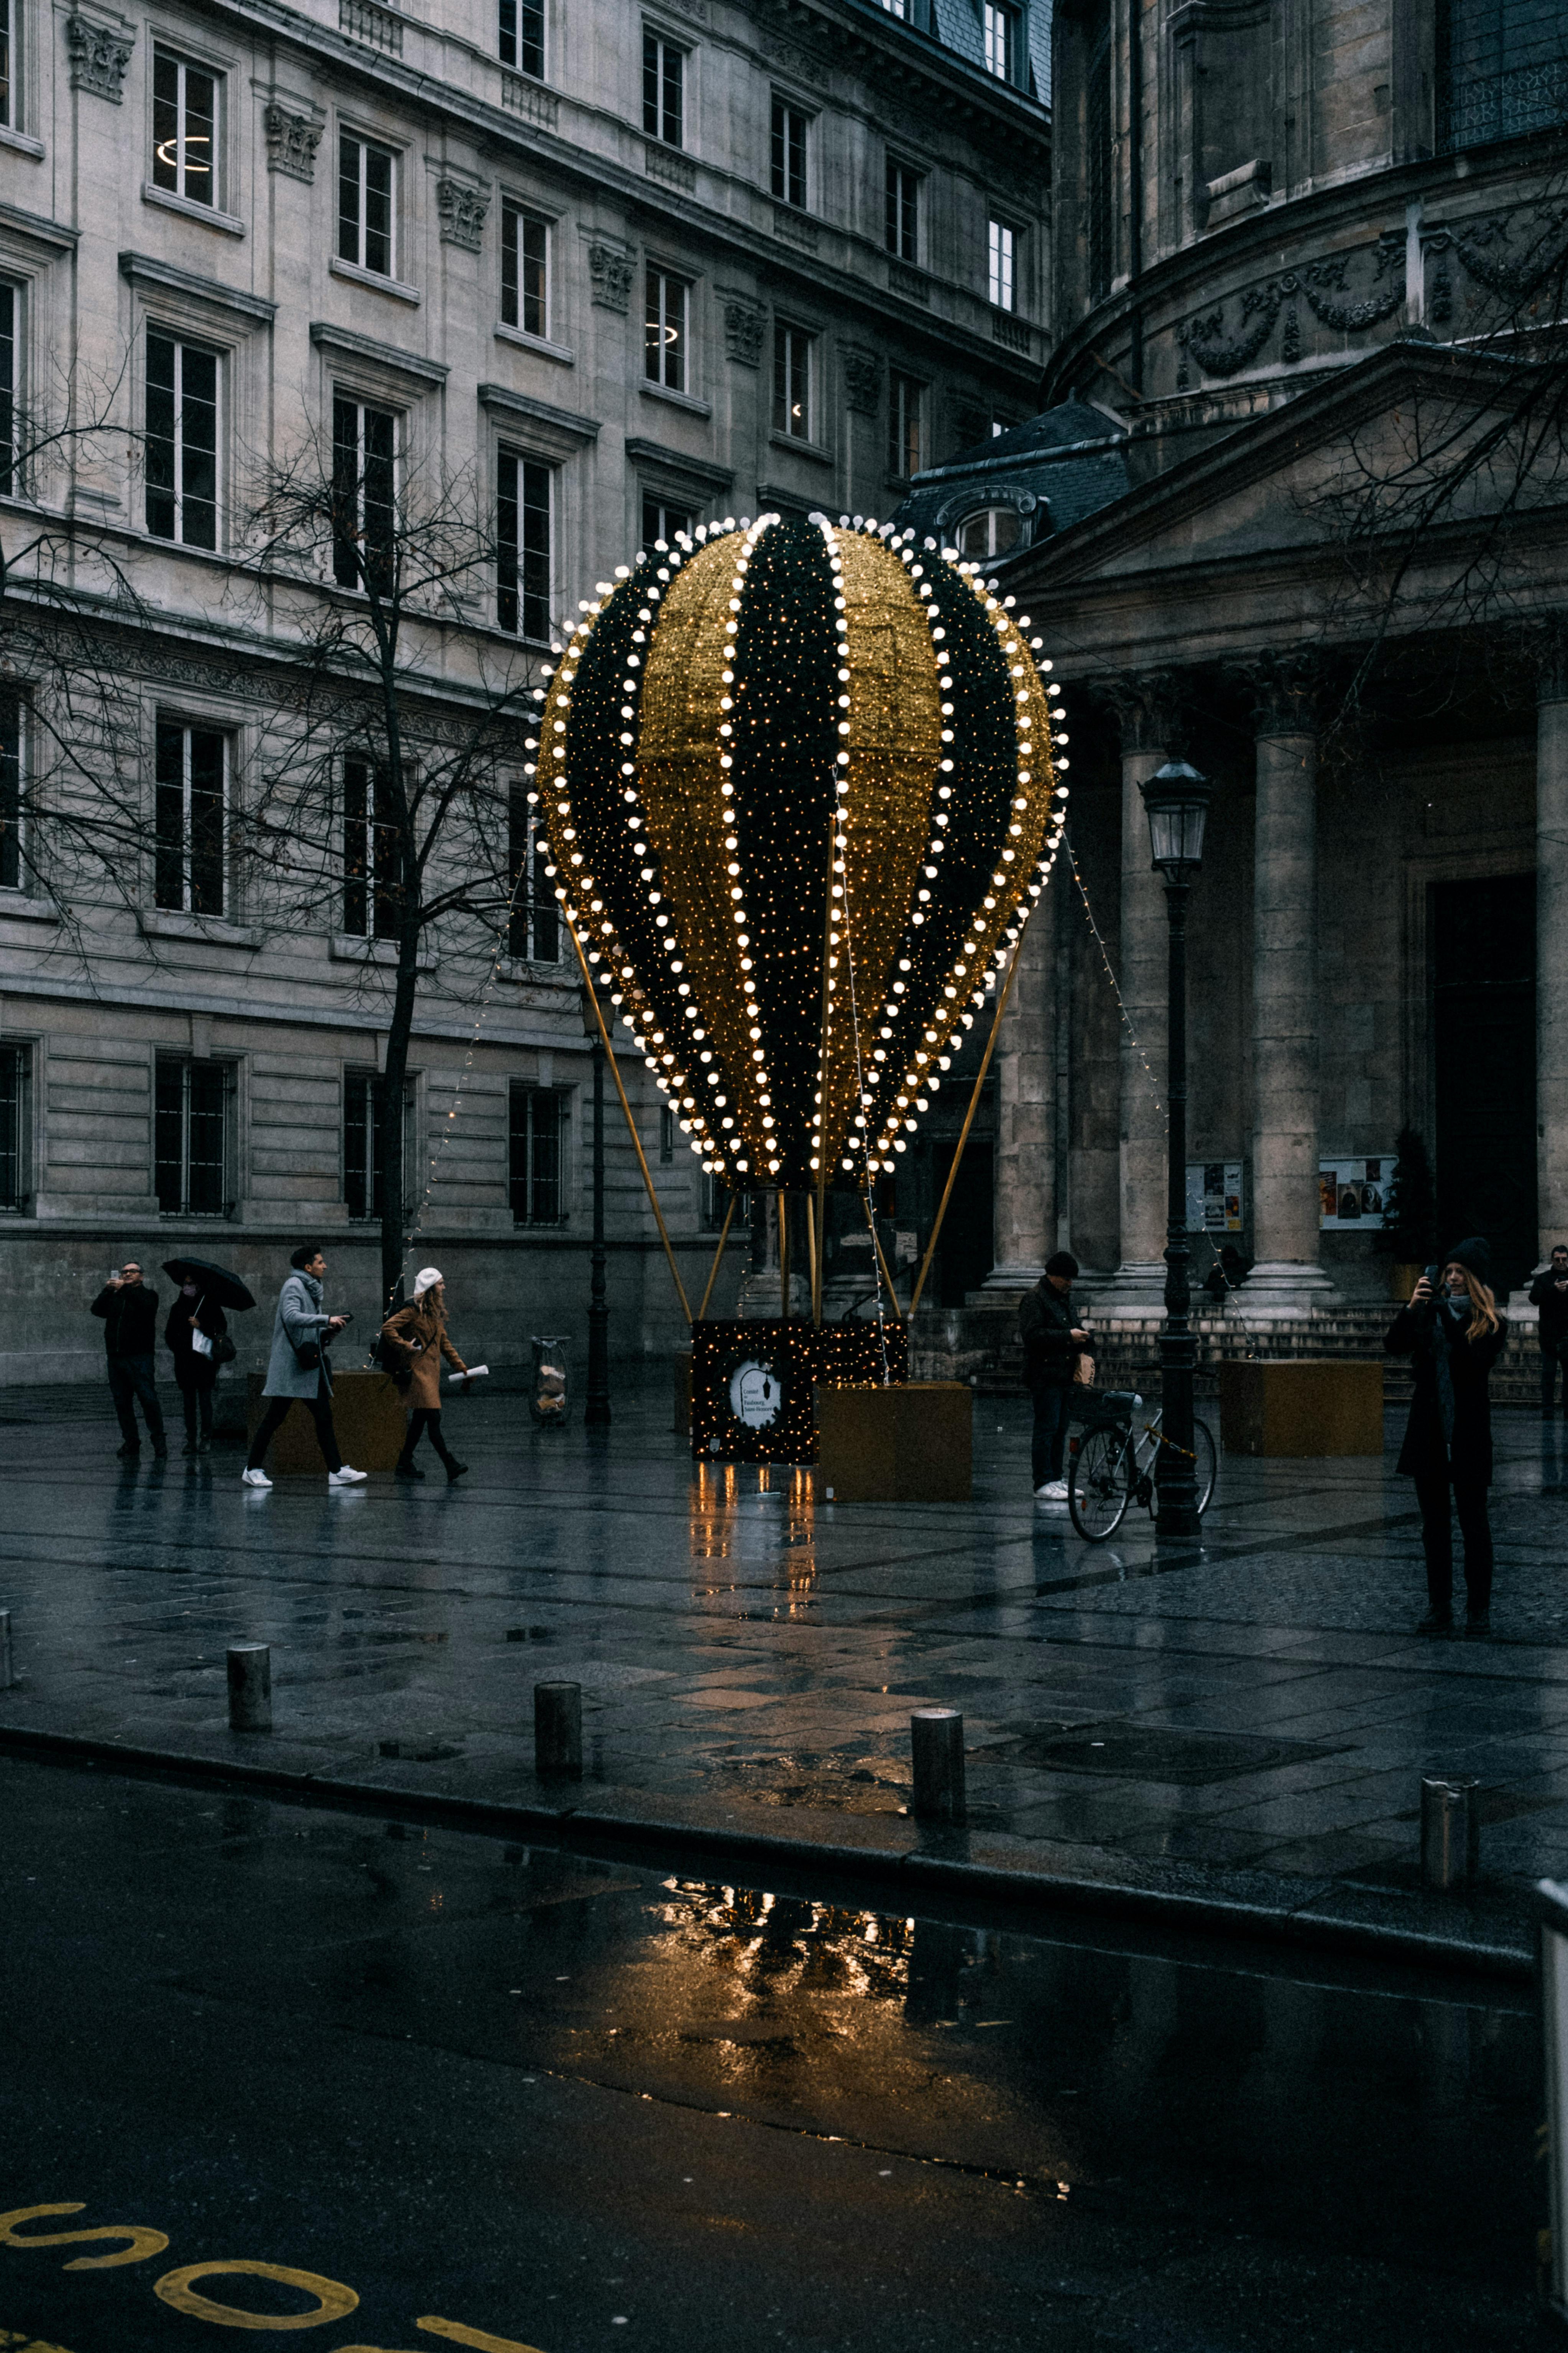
(10, 794)
(993, 531)
(537, 1154)
(190, 817)
(905, 398)
(901, 221)
(10, 301)
(10, 113)
(534, 919)
(905, 8)
(789, 133)
(364, 492)
(520, 35)
(185, 128)
(524, 270)
(181, 440)
(363, 1160)
(1001, 265)
(793, 368)
(372, 863)
(663, 90)
(15, 1076)
(665, 337)
(998, 33)
(191, 1136)
(523, 502)
(662, 519)
(367, 183)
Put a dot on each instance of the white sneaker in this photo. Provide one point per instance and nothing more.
(254, 1478)
(1054, 1492)
(346, 1477)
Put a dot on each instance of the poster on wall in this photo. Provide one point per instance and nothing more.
(1351, 1192)
(1215, 1196)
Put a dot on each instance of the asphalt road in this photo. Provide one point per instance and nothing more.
(307, 2072)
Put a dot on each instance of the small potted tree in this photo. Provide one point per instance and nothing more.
(1409, 1235)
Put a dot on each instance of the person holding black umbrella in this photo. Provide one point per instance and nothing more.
(196, 1317)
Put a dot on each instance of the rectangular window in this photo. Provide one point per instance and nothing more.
(715, 1206)
(661, 520)
(364, 175)
(1502, 72)
(902, 221)
(185, 129)
(664, 341)
(10, 795)
(789, 153)
(525, 270)
(792, 383)
(903, 8)
(533, 921)
(8, 108)
(364, 484)
(998, 32)
(190, 817)
(666, 1137)
(663, 90)
(364, 1162)
(904, 396)
(13, 1186)
(190, 1146)
(1001, 249)
(537, 1154)
(522, 546)
(7, 386)
(182, 441)
(372, 890)
(520, 27)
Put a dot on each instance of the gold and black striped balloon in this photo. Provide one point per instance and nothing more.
(801, 797)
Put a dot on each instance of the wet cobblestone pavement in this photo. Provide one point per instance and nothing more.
(1250, 1716)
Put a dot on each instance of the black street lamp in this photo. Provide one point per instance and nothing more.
(595, 1403)
(1177, 799)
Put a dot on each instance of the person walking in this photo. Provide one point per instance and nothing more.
(1454, 1335)
(195, 1370)
(1548, 1293)
(415, 1338)
(1052, 1343)
(298, 1369)
(130, 1314)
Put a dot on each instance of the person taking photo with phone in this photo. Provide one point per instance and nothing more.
(130, 1314)
(1454, 1334)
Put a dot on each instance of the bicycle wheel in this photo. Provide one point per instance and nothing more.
(1098, 1484)
(1203, 1462)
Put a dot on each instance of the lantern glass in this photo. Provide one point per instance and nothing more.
(1177, 800)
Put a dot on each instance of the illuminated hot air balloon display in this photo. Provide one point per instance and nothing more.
(800, 795)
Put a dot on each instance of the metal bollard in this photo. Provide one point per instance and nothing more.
(558, 1732)
(1450, 1832)
(6, 1677)
(249, 1687)
(936, 1738)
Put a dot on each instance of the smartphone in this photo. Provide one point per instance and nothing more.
(1434, 1276)
(114, 1274)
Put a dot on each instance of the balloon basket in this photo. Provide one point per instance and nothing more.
(752, 1383)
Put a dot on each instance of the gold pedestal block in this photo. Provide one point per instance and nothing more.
(1321, 1405)
(367, 1413)
(911, 1443)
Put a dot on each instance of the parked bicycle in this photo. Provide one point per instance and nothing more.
(1111, 1463)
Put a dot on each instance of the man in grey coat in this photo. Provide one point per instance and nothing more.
(298, 1369)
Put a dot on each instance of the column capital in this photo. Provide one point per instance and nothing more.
(1147, 707)
(1283, 690)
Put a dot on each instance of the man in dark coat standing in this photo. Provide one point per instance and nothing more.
(1454, 1335)
(1548, 1293)
(130, 1314)
(1051, 1344)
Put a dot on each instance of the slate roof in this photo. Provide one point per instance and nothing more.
(1059, 466)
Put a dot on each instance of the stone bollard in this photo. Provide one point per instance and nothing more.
(936, 1738)
(6, 1677)
(558, 1732)
(1450, 1832)
(249, 1687)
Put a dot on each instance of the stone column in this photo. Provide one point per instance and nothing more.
(1287, 1278)
(1550, 929)
(1138, 1286)
(1026, 1139)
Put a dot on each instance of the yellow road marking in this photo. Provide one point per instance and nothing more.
(474, 2336)
(336, 2302)
(144, 2242)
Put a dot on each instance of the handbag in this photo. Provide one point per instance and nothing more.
(222, 1350)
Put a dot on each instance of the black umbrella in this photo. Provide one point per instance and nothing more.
(216, 1280)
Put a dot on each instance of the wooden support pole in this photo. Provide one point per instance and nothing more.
(784, 1252)
(812, 1260)
(630, 1123)
(1002, 995)
(718, 1256)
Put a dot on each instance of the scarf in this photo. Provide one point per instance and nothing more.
(1448, 1326)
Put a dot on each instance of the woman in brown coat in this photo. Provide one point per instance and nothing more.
(414, 1342)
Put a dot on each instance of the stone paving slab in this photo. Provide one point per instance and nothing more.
(749, 1660)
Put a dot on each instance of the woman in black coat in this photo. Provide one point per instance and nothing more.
(1454, 1335)
(195, 1373)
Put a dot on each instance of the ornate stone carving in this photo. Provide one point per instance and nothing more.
(1485, 251)
(292, 137)
(1283, 688)
(668, 163)
(1217, 352)
(612, 273)
(1148, 708)
(99, 55)
(863, 383)
(797, 61)
(744, 324)
(462, 207)
(529, 99)
(375, 27)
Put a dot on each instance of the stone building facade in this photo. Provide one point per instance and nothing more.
(640, 265)
(1311, 264)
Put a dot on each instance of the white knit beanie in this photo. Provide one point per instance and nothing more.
(426, 1280)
